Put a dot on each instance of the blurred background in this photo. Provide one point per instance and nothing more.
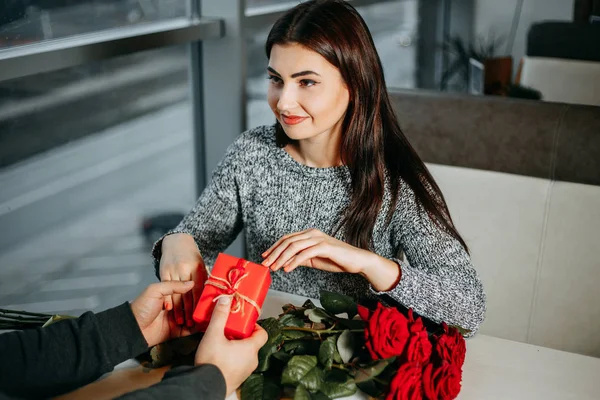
(91, 152)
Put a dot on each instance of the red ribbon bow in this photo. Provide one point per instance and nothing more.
(229, 286)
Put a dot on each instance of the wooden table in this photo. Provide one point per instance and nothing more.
(494, 369)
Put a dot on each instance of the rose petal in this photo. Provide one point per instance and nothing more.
(364, 312)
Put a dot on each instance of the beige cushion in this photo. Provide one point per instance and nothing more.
(562, 80)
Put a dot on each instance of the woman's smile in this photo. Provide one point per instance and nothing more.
(292, 119)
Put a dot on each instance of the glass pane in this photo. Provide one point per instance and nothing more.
(86, 154)
(393, 25)
(29, 21)
(254, 4)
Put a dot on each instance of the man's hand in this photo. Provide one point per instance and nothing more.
(236, 359)
(156, 324)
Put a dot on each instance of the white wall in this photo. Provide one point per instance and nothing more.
(497, 16)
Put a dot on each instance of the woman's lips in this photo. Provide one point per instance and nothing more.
(292, 120)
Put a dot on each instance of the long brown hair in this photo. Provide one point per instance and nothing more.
(372, 141)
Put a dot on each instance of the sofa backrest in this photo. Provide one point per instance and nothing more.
(522, 180)
(562, 80)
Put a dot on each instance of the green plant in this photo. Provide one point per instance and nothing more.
(460, 52)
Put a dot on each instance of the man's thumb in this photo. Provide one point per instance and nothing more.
(219, 316)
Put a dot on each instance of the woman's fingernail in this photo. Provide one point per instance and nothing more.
(189, 283)
(180, 321)
(190, 323)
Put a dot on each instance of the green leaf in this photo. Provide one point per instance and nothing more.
(297, 347)
(282, 356)
(336, 303)
(264, 357)
(303, 370)
(273, 328)
(371, 370)
(314, 379)
(319, 396)
(294, 335)
(291, 320)
(328, 352)
(258, 387)
(460, 330)
(317, 315)
(301, 393)
(351, 324)
(371, 388)
(345, 345)
(309, 304)
(338, 384)
(302, 347)
(290, 309)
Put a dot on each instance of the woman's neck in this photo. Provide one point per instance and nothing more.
(321, 151)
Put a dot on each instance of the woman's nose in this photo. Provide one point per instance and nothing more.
(287, 99)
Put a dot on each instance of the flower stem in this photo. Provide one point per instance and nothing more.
(318, 331)
(380, 381)
(339, 366)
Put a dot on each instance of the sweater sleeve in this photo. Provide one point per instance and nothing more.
(49, 361)
(438, 281)
(204, 382)
(216, 219)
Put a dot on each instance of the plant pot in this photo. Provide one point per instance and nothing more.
(498, 74)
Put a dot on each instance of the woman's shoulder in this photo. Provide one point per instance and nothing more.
(261, 137)
(253, 144)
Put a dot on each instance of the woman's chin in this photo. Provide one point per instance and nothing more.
(295, 133)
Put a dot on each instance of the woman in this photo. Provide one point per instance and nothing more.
(333, 193)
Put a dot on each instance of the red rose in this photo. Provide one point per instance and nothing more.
(419, 347)
(386, 332)
(451, 347)
(407, 383)
(443, 382)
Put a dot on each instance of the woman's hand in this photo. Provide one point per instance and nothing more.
(181, 261)
(312, 248)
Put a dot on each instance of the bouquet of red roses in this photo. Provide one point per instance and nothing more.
(333, 351)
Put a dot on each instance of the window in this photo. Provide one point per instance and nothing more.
(29, 21)
(85, 154)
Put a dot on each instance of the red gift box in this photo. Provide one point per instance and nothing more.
(246, 282)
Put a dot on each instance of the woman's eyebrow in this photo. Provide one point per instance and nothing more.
(296, 75)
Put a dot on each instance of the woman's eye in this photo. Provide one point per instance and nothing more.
(274, 79)
(307, 82)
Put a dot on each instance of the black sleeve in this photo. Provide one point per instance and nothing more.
(205, 382)
(57, 359)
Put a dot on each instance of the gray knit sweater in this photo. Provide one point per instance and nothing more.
(260, 188)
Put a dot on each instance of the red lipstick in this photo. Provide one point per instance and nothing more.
(292, 119)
